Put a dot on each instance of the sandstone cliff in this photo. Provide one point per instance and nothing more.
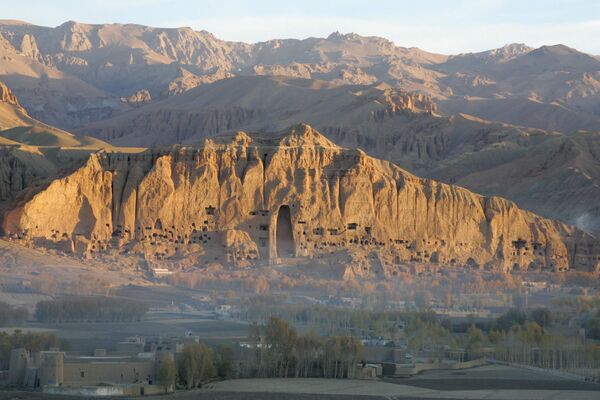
(11, 112)
(7, 96)
(251, 197)
(551, 174)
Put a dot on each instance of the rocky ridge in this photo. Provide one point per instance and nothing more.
(109, 61)
(7, 96)
(290, 195)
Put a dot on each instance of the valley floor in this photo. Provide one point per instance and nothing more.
(494, 382)
(83, 338)
(486, 382)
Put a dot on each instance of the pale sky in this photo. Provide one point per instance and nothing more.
(451, 26)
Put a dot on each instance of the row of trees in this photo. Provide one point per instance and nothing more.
(530, 344)
(424, 331)
(334, 320)
(278, 350)
(11, 316)
(198, 364)
(592, 326)
(516, 335)
(466, 289)
(90, 309)
(32, 341)
(326, 320)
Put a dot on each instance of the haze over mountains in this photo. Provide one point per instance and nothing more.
(517, 122)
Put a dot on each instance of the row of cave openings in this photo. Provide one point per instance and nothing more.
(283, 241)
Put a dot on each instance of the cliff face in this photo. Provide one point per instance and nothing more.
(11, 112)
(7, 96)
(295, 195)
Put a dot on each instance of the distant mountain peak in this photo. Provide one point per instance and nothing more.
(499, 55)
(505, 53)
(15, 22)
(70, 24)
(516, 46)
(511, 50)
(354, 36)
(559, 49)
(559, 56)
(342, 36)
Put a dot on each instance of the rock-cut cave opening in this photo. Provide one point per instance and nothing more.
(284, 238)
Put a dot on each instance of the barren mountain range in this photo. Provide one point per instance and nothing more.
(515, 122)
(99, 64)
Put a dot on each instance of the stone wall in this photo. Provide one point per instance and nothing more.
(82, 373)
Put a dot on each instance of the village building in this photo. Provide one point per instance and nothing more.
(127, 374)
(132, 369)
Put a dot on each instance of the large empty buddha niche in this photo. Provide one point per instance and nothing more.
(284, 238)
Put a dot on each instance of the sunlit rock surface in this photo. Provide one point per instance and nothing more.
(224, 199)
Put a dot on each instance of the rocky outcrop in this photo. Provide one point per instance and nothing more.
(397, 101)
(29, 47)
(185, 81)
(291, 195)
(7, 96)
(138, 98)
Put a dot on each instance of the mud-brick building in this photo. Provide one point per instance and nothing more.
(55, 368)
